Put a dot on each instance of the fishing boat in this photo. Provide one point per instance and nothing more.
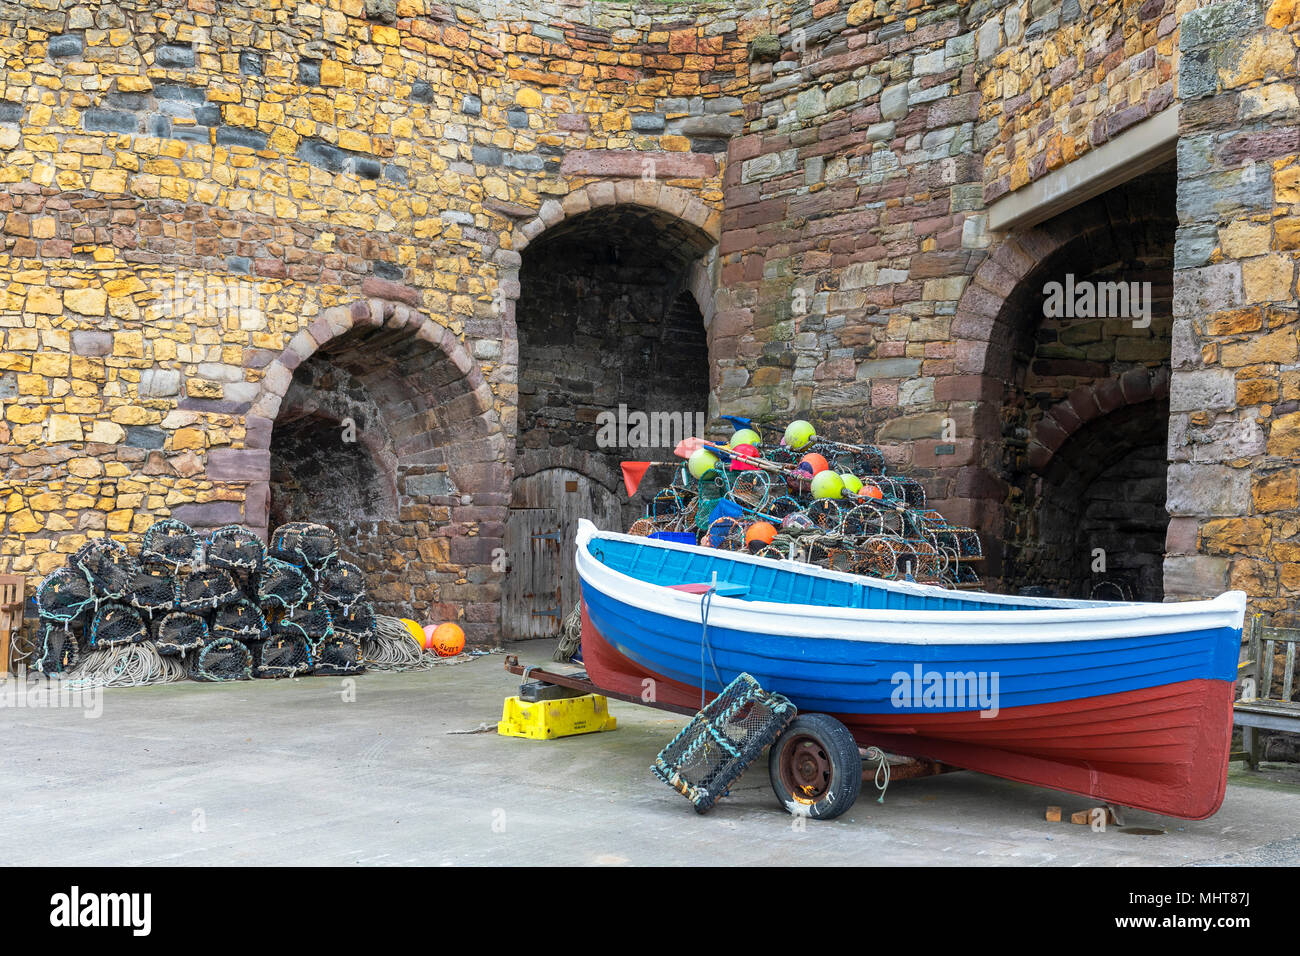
(1129, 703)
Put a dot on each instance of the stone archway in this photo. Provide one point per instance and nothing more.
(1023, 384)
(435, 436)
(610, 298)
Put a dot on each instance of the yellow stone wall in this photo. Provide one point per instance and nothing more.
(149, 277)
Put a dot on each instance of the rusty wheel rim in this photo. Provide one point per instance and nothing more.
(806, 769)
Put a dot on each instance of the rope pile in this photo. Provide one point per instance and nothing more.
(213, 607)
(391, 647)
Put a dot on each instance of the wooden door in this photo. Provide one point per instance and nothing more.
(532, 594)
(541, 534)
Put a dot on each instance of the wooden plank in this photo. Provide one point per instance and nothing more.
(1290, 669)
(1288, 723)
(12, 596)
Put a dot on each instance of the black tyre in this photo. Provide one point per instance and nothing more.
(815, 767)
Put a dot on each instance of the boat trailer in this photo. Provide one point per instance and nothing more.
(890, 766)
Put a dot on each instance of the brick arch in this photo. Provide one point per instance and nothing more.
(678, 203)
(696, 224)
(989, 332)
(1089, 402)
(396, 325)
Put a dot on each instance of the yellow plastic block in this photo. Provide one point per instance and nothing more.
(548, 719)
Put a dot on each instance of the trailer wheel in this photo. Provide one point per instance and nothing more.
(815, 767)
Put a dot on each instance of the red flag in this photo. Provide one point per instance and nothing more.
(633, 472)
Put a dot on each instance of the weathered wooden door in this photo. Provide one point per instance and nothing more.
(541, 532)
(533, 606)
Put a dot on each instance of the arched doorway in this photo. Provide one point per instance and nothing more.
(613, 366)
(1082, 351)
(379, 424)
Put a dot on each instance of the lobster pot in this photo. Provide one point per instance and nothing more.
(240, 620)
(304, 543)
(152, 589)
(57, 648)
(358, 620)
(65, 596)
(115, 624)
(205, 589)
(310, 621)
(341, 583)
(339, 653)
(235, 549)
(282, 585)
(106, 565)
(713, 750)
(170, 542)
(179, 633)
(221, 659)
(282, 655)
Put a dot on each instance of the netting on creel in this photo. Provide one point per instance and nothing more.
(180, 632)
(713, 750)
(64, 596)
(338, 653)
(115, 624)
(311, 620)
(57, 648)
(171, 542)
(341, 583)
(220, 659)
(152, 589)
(282, 585)
(205, 589)
(304, 543)
(236, 549)
(282, 655)
(241, 620)
(358, 620)
(106, 565)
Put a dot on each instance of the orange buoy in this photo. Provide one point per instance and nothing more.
(758, 534)
(871, 491)
(447, 640)
(819, 464)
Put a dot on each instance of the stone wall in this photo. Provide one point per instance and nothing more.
(201, 197)
(1235, 394)
(1057, 79)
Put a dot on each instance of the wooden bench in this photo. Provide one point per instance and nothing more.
(11, 617)
(1264, 705)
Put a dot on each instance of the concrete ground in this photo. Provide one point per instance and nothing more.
(289, 772)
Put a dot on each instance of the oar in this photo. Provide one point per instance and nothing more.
(689, 446)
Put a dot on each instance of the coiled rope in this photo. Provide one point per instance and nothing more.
(126, 665)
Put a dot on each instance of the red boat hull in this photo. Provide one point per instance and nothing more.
(1162, 749)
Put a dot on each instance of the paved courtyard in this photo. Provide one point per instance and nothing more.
(289, 772)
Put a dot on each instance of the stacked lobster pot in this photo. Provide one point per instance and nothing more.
(213, 607)
(764, 497)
